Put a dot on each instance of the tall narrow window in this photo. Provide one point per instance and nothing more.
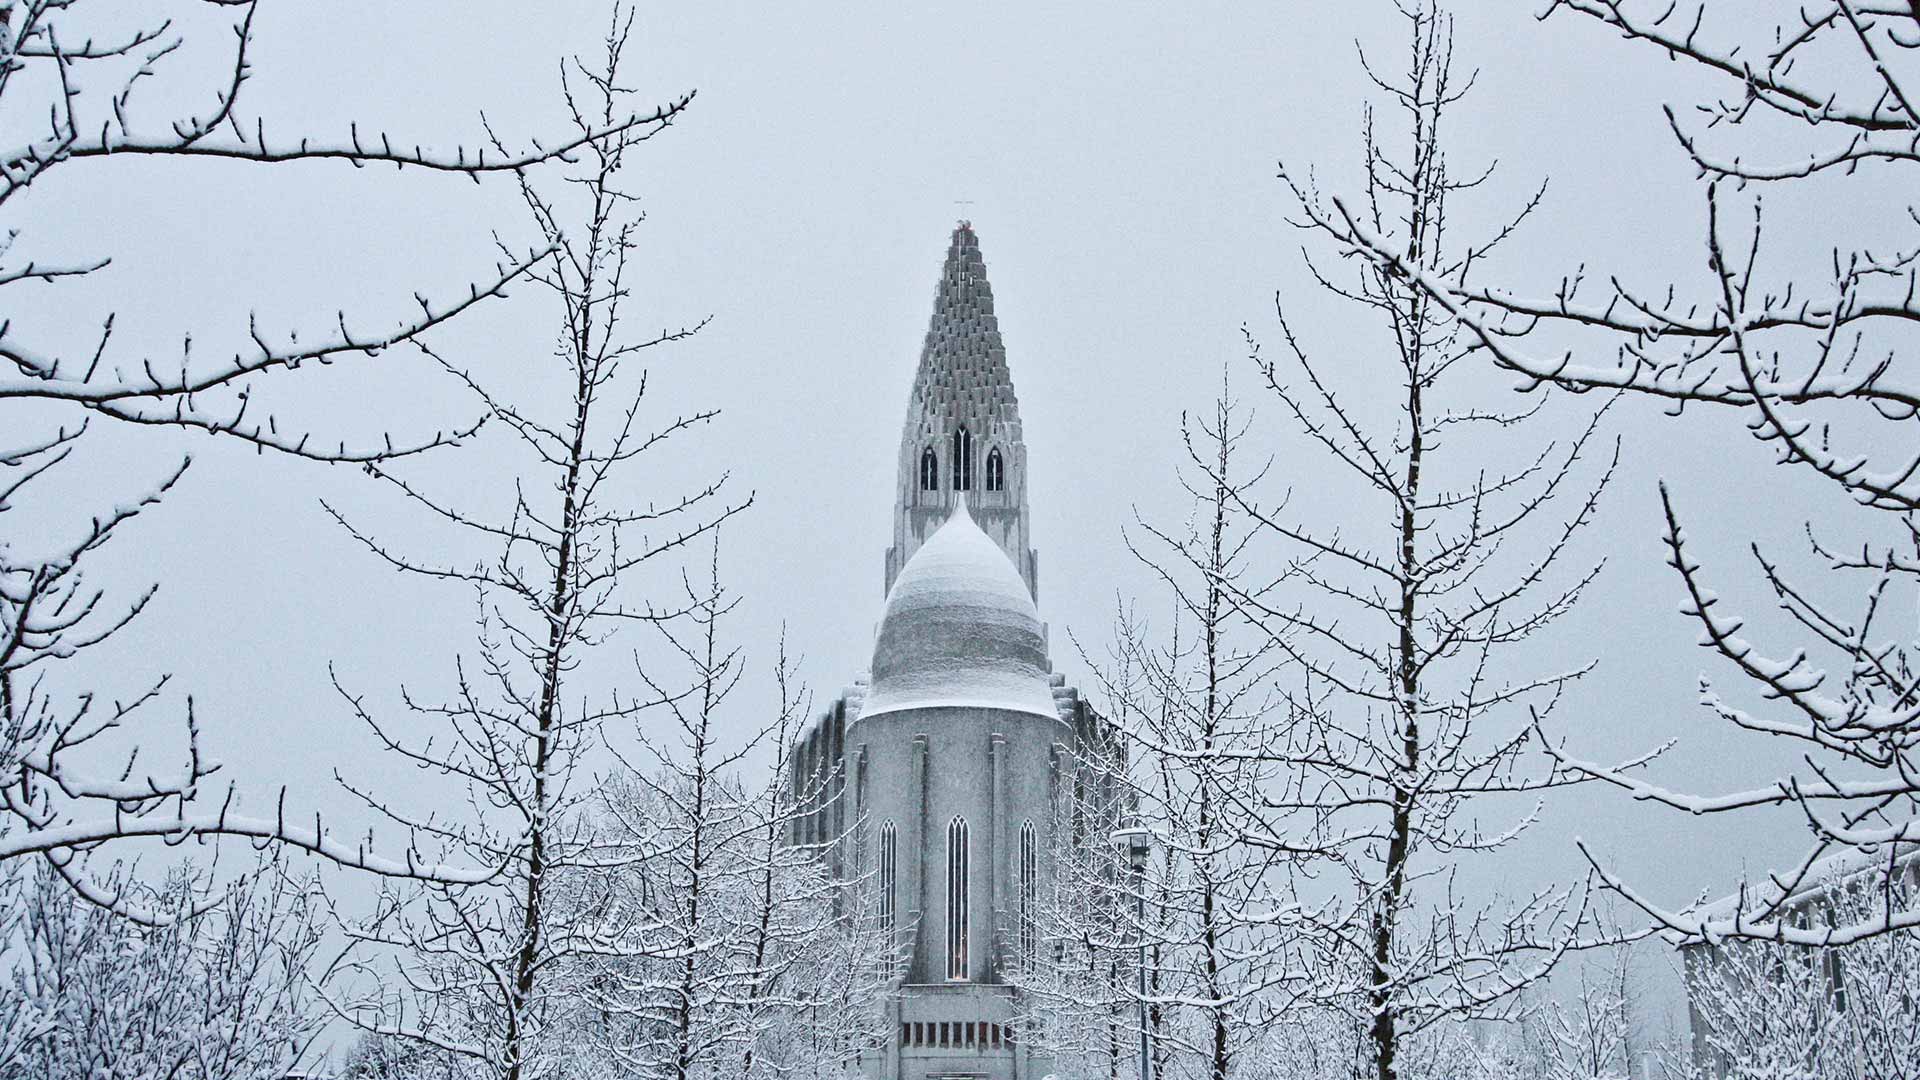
(996, 471)
(929, 470)
(962, 459)
(1029, 889)
(889, 869)
(957, 898)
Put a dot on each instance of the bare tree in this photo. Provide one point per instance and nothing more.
(1078, 967)
(209, 995)
(1808, 343)
(816, 959)
(385, 1057)
(1194, 708)
(464, 966)
(1589, 1034)
(80, 82)
(751, 958)
(1310, 1042)
(1413, 715)
(679, 821)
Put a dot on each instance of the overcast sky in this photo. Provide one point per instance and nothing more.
(1118, 163)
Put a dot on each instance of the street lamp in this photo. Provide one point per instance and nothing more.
(1139, 844)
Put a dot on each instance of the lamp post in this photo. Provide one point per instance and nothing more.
(1139, 843)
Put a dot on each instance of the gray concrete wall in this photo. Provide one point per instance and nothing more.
(960, 781)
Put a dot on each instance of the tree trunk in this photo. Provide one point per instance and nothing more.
(561, 597)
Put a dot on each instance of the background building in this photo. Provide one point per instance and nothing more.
(936, 777)
(1762, 1007)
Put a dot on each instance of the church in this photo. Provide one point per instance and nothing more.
(937, 775)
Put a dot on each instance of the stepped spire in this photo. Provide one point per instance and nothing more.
(963, 361)
(962, 433)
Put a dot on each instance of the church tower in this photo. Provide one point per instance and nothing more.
(962, 434)
(938, 779)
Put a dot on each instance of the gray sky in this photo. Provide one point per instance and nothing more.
(1119, 168)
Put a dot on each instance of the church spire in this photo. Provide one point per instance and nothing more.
(962, 433)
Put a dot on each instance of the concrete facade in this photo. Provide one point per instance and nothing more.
(936, 777)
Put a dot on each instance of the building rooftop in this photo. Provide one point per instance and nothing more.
(960, 629)
(1847, 866)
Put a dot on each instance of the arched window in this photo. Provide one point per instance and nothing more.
(1029, 890)
(957, 867)
(929, 470)
(996, 471)
(962, 459)
(889, 871)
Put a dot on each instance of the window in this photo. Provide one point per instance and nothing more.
(957, 899)
(1029, 887)
(889, 867)
(1836, 978)
(929, 470)
(996, 471)
(962, 459)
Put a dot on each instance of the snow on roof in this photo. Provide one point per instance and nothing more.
(1845, 865)
(960, 630)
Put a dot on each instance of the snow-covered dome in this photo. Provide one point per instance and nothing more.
(960, 629)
